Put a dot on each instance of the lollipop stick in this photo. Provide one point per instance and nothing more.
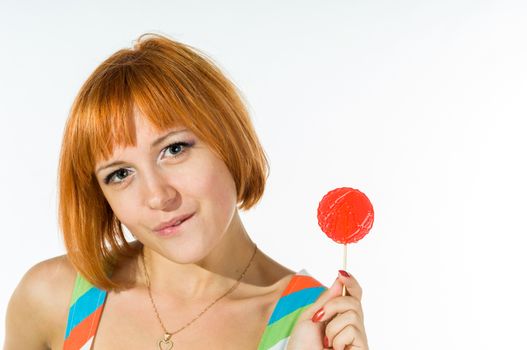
(344, 268)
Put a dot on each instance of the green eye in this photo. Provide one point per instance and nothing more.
(119, 174)
(171, 151)
(176, 149)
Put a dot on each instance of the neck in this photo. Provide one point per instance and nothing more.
(208, 277)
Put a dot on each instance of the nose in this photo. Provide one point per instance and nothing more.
(160, 194)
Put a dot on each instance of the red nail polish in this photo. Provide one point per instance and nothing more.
(326, 342)
(318, 315)
(344, 273)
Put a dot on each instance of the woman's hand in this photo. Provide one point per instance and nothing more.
(333, 321)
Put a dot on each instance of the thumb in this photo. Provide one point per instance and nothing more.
(334, 291)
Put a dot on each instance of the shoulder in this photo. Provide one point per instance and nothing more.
(38, 309)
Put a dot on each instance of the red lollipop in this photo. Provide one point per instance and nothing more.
(345, 215)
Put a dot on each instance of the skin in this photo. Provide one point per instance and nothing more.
(205, 257)
(156, 184)
(208, 255)
(159, 182)
(342, 322)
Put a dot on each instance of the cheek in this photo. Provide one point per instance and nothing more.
(124, 208)
(218, 185)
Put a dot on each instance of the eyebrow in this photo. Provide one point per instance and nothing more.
(154, 144)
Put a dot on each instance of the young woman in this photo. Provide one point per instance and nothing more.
(158, 141)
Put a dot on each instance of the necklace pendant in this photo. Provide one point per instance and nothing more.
(166, 343)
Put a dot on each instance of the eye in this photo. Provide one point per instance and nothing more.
(171, 151)
(117, 176)
(176, 149)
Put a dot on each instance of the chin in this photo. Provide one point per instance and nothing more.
(186, 253)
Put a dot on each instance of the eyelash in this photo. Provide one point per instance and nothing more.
(184, 145)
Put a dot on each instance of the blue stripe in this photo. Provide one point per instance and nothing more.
(84, 307)
(294, 301)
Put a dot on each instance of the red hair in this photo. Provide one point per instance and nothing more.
(171, 84)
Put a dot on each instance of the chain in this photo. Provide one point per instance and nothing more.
(168, 334)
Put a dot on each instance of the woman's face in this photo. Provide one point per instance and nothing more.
(170, 175)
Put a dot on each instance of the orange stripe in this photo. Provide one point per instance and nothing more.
(300, 282)
(83, 331)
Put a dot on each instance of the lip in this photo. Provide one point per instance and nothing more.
(168, 225)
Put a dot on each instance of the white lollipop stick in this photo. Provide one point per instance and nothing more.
(344, 268)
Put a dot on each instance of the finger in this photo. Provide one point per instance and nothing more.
(352, 285)
(341, 321)
(349, 335)
(341, 305)
(316, 307)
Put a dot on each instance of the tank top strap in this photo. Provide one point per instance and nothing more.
(86, 305)
(301, 292)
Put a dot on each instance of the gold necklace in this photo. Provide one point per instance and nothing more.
(166, 343)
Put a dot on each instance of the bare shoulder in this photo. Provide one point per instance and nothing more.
(38, 309)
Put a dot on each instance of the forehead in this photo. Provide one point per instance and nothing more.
(146, 130)
(139, 132)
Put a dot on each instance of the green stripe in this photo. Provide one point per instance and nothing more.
(280, 329)
(81, 287)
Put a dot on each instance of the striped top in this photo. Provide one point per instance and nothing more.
(87, 303)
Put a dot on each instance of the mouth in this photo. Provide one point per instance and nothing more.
(169, 226)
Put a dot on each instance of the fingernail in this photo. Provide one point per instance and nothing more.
(318, 315)
(344, 273)
(326, 342)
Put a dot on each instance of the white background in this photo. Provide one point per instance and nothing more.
(420, 104)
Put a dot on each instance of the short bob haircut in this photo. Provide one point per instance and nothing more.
(171, 84)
